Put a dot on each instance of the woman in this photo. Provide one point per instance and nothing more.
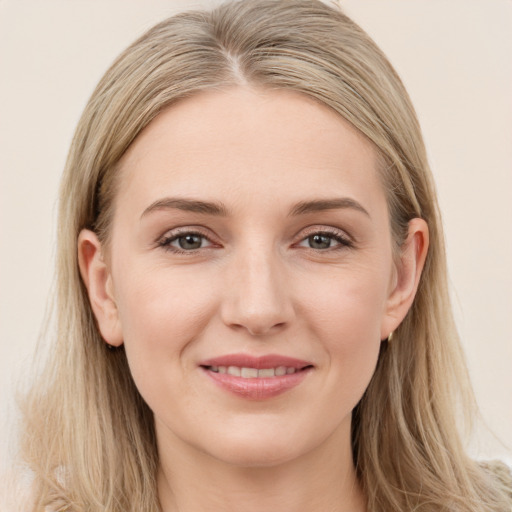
(252, 307)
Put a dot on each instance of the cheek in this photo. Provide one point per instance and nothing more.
(161, 313)
(349, 305)
(345, 318)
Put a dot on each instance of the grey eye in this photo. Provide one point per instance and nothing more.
(319, 241)
(185, 241)
(190, 242)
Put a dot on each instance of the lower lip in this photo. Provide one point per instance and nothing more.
(257, 388)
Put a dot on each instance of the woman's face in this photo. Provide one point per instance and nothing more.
(250, 274)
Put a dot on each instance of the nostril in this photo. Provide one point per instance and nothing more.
(262, 330)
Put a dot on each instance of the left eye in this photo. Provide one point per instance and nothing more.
(322, 241)
(186, 242)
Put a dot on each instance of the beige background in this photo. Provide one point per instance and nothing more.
(455, 57)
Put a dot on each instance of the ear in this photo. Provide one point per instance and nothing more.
(98, 281)
(407, 276)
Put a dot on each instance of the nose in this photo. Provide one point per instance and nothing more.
(257, 296)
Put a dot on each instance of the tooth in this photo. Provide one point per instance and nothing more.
(266, 372)
(234, 370)
(214, 368)
(290, 370)
(222, 369)
(280, 370)
(249, 373)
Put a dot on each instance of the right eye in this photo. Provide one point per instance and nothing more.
(184, 242)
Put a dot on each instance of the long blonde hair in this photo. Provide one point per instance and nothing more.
(89, 437)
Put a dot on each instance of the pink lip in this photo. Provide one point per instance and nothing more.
(258, 362)
(257, 388)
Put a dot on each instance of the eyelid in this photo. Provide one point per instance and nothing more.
(344, 240)
(164, 240)
(340, 235)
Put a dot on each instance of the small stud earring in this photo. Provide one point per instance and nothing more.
(390, 337)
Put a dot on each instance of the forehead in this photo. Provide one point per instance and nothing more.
(245, 143)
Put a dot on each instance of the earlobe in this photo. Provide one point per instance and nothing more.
(98, 281)
(408, 273)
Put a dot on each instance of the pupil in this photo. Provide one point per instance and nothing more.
(319, 242)
(190, 242)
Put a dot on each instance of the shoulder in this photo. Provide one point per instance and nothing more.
(15, 492)
(501, 473)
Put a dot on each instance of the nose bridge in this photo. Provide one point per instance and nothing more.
(257, 297)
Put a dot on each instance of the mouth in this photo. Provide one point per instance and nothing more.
(256, 378)
(255, 373)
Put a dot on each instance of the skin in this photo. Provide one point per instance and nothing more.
(258, 284)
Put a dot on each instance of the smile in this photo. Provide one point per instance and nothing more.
(256, 378)
(253, 373)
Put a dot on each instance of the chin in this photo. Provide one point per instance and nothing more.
(258, 449)
(250, 456)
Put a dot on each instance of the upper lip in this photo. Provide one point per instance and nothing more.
(258, 362)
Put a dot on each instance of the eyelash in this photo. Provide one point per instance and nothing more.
(344, 242)
(166, 240)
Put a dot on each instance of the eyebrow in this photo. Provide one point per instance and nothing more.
(189, 205)
(319, 205)
(219, 209)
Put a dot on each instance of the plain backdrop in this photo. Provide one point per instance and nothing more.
(455, 57)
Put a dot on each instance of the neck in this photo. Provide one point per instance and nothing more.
(319, 481)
